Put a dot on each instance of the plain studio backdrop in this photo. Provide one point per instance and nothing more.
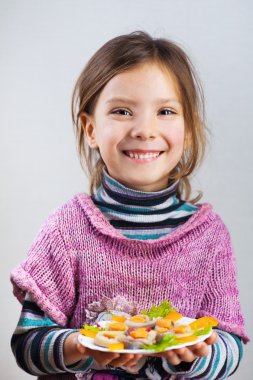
(44, 46)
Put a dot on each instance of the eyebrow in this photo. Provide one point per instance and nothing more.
(130, 101)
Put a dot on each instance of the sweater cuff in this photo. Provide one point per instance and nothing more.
(188, 369)
(80, 366)
(183, 368)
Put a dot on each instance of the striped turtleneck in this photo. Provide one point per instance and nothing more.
(141, 215)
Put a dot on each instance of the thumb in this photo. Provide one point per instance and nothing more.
(81, 349)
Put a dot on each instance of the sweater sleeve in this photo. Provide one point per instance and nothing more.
(38, 342)
(47, 274)
(221, 298)
(221, 362)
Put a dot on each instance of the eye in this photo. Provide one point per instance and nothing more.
(167, 111)
(121, 111)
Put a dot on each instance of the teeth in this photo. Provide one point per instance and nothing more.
(147, 155)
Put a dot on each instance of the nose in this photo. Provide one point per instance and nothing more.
(144, 129)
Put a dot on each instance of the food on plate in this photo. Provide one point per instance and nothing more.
(182, 330)
(203, 322)
(118, 318)
(140, 337)
(140, 320)
(107, 338)
(117, 326)
(163, 322)
(88, 333)
(174, 316)
(116, 346)
(157, 329)
(161, 310)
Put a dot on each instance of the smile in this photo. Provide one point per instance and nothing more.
(143, 156)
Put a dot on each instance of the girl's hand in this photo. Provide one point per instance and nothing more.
(74, 351)
(188, 354)
(110, 358)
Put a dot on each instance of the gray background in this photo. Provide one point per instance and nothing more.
(44, 45)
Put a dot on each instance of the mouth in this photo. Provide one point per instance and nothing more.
(143, 155)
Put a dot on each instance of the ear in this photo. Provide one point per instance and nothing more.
(89, 130)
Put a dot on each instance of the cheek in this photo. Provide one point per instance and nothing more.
(105, 134)
(109, 137)
(176, 138)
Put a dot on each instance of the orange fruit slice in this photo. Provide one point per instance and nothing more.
(190, 338)
(139, 333)
(182, 329)
(173, 316)
(162, 330)
(116, 346)
(117, 326)
(118, 318)
(203, 322)
(138, 319)
(162, 322)
(109, 335)
(88, 333)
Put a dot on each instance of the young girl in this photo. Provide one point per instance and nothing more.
(139, 238)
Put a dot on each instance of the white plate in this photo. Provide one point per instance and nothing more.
(89, 342)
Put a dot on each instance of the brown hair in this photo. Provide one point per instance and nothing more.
(125, 52)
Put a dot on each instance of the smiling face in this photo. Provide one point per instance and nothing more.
(138, 126)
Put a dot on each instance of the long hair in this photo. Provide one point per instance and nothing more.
(126, 52)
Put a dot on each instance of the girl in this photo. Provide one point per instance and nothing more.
(139, 238)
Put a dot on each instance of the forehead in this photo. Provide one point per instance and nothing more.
(146, 81)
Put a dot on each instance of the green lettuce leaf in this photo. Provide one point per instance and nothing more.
(159, 311)
(167, 341)
(204, 331)
(93, 328)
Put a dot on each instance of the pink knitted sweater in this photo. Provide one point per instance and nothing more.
(78, 260)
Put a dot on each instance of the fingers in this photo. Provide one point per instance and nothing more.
(81, 349)
(109, 359)
(172, 357)
(186, 354)
(212, 339)
(112, 358)
(134, 361)
(125, 360)
(200, 349)
(179, 355)
(103, 358)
